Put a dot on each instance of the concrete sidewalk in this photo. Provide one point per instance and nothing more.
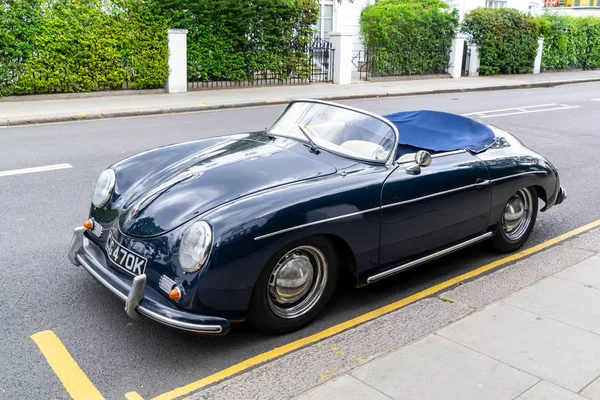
(528, 331)
(20, 110)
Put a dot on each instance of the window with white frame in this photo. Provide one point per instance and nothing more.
(325, 23)
(495, 3)
(533, 8)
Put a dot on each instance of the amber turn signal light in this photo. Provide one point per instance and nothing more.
(89, 224)
(175, 294)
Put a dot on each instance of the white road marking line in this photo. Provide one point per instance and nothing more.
(508, 109)
(598, 99)
(529, 112)
(35, 169)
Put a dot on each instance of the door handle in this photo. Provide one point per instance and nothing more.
(481, 183)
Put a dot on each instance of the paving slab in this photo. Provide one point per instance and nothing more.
(588, 241)
(314, 365)
(496, 286)
(585, 273)
(559, 353)
(547, 391)
(343, 388)
(593, 390)
(562, 300)
(437, 368)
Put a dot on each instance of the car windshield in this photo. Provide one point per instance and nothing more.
(340, 130)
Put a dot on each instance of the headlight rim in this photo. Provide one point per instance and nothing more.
(206, 251)
(109, 192)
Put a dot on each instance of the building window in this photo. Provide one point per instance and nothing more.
(533, 8)
(495, 3)
(325, 24)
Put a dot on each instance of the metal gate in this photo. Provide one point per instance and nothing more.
(466, 60)
(321, 55)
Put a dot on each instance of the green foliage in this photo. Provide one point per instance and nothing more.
(234, 39)
(408, 37)
(88, 45)
(508, 39)
(18, 19)
(570, 42)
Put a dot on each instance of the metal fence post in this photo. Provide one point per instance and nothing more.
(177, 81)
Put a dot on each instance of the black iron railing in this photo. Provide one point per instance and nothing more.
(298, 66)
(376, 62)
(466, 60)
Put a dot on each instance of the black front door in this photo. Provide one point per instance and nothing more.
(446, 203)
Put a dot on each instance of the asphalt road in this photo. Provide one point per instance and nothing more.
(40, 289)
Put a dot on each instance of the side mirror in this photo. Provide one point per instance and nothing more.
(422, 159)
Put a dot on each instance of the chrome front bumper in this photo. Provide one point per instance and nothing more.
(138, 298)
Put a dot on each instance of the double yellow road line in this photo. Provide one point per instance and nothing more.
(79, 386)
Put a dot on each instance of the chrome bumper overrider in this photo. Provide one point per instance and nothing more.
(562, 195)
(133, 293)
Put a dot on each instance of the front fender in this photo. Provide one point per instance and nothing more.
(248, 232)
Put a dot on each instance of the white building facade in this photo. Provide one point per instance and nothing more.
(533, 7)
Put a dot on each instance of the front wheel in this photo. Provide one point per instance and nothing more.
(294, 286)
(517, 220)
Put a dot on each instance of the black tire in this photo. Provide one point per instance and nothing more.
(506, 240)
(264, 307)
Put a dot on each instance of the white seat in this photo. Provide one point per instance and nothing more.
(362, 148)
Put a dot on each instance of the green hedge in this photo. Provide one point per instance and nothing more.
(80, 46)
(408, 37)
(508, 39)
(236, 39)
(570, 42)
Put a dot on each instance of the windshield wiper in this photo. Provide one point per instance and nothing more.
(313, 146)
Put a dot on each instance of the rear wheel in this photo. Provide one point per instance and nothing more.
(294, 286)
(517, 220)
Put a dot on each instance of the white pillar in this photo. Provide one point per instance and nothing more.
(456, 56)
(177, 82)
(537, 65)
(474, 59)
(342, 57)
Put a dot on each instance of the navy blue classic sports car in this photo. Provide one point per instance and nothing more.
(257, 226)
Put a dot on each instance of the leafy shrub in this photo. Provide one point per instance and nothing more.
(508, 39)
(570, 42)
(235, 39)
(407, 37)
(18, 19)
(87, 45)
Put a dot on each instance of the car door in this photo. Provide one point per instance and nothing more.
(441, 205)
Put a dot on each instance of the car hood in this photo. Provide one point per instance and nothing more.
(222, 173)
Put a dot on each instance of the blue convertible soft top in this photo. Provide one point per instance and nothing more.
(440, 131)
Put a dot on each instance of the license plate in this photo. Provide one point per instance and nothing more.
(125, 258)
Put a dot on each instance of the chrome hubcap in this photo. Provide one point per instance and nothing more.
(297, 282)
(517, 215)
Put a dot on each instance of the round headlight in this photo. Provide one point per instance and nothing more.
(195, 246)
(103, 188)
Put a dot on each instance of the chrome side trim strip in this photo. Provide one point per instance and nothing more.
(438, 155)
(150, 314)
(430, 257)
(521, 174)
(428, 196)
(448, 153)
(316, 223)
